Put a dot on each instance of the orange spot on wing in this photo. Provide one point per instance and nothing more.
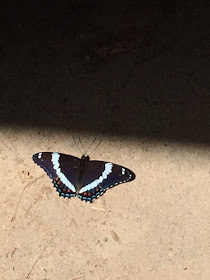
(85, 193)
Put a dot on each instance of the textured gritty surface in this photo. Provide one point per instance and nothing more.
(156, 227)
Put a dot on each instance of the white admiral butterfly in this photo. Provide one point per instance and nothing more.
(85, 178)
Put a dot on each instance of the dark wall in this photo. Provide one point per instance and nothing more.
(134, 68)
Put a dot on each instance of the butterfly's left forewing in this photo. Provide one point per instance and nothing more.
(100, 176)
(63, 169)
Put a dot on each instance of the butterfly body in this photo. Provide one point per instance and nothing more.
(81, 171)
(84, 178)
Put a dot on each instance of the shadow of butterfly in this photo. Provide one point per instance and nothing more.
(87, 179)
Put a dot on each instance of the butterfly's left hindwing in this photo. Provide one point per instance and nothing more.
(63, 169)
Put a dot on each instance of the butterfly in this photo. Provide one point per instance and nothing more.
(87, 179)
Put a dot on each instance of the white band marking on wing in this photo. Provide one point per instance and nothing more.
(62, 177)
(94, 184)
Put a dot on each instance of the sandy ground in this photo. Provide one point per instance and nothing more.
(156, 227)
(153, 117)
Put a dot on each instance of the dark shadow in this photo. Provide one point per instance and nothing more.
(133, 68)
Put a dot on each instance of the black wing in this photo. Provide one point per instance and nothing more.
(100, 176)
(63, 169)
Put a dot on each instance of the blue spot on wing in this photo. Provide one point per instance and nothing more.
(62, 189)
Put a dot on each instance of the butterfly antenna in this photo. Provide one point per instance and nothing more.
(90, 145)
(81, 144)
(77, 145)
(96, 146)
